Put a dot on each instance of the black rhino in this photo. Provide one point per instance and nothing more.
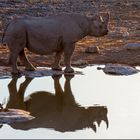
(46, 35)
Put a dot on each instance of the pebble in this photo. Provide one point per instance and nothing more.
(79, 62)
(132, 46)
(92, 49)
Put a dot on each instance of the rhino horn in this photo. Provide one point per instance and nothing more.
(105, 17)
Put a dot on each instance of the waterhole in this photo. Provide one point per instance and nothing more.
(91, 105)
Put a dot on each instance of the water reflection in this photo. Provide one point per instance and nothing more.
(58, 111)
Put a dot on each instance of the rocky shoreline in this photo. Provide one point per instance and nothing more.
(124, 28)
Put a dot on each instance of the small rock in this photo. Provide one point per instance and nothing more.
(79, 63)
(92, 49)
(125, 34)
(119, 69)
(132, 46)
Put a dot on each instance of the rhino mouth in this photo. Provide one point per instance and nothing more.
(100, 34)
(105, 32)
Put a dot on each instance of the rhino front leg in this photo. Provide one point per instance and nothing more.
(56, 65)
(68, 51)
(28, 65)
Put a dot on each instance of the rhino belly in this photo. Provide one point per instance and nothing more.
(42, 48)
(43, 41)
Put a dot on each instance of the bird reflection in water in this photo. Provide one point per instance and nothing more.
(57, 111)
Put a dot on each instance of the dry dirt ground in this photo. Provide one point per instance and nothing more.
(124, 18)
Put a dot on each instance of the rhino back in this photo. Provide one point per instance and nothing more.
(46, 35)
(61, 25)
(74, 27)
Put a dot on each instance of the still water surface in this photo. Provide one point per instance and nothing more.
(93, 105)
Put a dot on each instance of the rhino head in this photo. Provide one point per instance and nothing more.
(98, 25)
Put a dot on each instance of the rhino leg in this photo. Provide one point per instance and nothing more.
(13, 61)
(28, 65)
(68, 51)
(56, 65)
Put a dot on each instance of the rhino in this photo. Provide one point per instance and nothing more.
(55, 34)
(58, 110)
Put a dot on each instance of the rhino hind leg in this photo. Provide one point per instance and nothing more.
(24, 59)
(56, 64)
(68, 51)
(13, 62)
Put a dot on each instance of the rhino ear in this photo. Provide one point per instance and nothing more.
(93, 17)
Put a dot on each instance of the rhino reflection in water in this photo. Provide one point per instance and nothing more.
(58, 111)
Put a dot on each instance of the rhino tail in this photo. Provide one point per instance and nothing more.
(2, 42)
(3, 35)
(27, 40)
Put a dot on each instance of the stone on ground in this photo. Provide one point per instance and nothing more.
(119, 69)
(132, 46)
(92, 49)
